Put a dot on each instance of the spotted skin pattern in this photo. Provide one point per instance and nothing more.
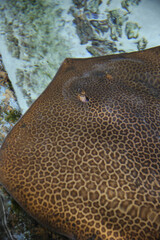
(85, 158)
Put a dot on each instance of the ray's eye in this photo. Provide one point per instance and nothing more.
(82, 97)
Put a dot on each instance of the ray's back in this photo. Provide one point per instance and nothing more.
(85, 159)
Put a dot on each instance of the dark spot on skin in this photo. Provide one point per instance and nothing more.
(23, 125)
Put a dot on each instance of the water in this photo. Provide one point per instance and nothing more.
(36, 36)
(33, 44)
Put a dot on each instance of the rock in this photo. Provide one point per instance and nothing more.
(92, 5)
(131, 30)
(141, 44)
(100, 48)
(126, 4)
(84, 30)
(117, 18)
(79, 3)
(100, 25)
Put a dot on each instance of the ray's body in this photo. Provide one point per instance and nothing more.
(85, 158)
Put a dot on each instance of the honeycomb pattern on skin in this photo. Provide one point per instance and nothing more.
(85, 159)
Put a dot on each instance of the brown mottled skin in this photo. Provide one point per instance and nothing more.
(85, 158)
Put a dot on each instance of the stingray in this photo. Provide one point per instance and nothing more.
(84, 160)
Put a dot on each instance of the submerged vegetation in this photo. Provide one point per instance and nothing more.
(12, 115)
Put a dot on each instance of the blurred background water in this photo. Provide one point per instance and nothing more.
(37, 35)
